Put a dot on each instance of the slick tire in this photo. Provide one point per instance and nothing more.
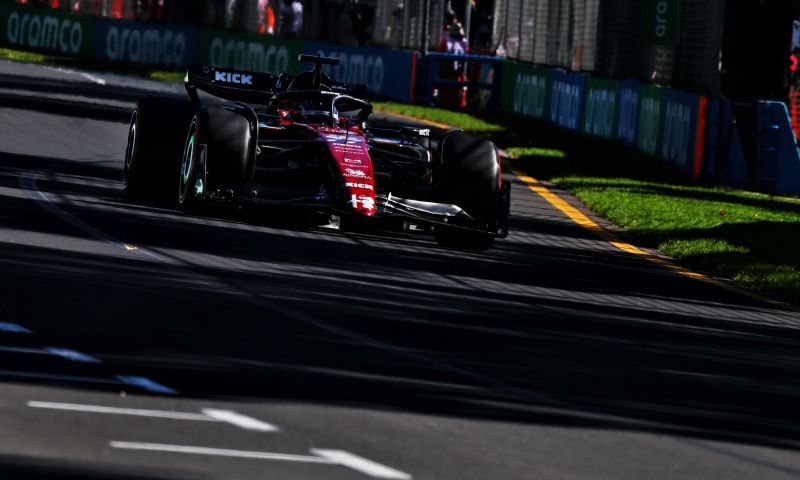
(470, 179)
(226, 136)
(155, 143)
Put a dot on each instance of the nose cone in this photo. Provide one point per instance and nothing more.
(351, 157)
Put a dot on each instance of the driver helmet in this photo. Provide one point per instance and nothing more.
(314, 111)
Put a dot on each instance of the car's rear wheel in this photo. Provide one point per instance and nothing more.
(155, 140)
(470, 179)
(190, 190)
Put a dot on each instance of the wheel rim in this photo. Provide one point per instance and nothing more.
(130, 151)
(188, 164)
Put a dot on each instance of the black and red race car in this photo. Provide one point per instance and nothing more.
(303, 140)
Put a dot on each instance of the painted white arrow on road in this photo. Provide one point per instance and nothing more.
(207, 415)
(320, 456)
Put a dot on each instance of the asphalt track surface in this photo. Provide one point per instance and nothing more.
(139, 343)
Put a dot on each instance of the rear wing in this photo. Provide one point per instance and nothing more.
(235, 85)
(353, 89)
(250, 87)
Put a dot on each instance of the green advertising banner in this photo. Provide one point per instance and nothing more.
(524, 89)
(662, 22)
(651, 102)
(248, 51)
(46, 30)
(601, 107)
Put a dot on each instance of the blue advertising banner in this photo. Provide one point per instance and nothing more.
(778, 156)
(601, 108)
(386, 72)
(679, 129)
(566, 99)
(140, 43)
(628, 113)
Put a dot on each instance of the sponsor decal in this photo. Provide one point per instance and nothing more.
(354, 161)
(44, 31)
(363, 200)
(566, 99)
(628, 112)
(355, 173)
(601, 107)
(678, 131)
(366, 186)
(253, 56)
(530, 94)
(649, 125)
(237, 78)
(662, 21)
(144, 44)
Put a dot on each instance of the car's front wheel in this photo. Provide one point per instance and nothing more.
(470, 179)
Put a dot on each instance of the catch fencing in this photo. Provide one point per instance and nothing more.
(669, 42)
(695, 133)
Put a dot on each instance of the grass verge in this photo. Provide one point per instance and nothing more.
(34, 57)
(447, 117)
(749, 237)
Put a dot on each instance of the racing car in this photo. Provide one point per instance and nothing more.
(304, 140)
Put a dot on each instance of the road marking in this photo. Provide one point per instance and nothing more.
(360, 464)
(239, 420)
(13, 328)
(325, 457)
(28, 182)
(74, 407)
(219, 452)
(72, 355)
(88, 76)
(60, 352)
(140, 382)
(581, 219)
(208, 415)
(146, 384)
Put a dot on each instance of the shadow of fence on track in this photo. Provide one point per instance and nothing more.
(27, 468)
(586, 338)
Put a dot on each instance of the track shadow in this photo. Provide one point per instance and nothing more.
(26, 468)
(561, 335)
(605, 355)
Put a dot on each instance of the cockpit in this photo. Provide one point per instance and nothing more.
(319, 108)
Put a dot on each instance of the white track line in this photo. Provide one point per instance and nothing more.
(320, 456)
(207, 415)
(239, 420)
(74, 407)
(88, 76)
(360, 464)
(219, 452)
